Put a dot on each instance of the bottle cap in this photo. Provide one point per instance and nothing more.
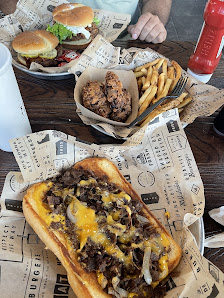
(201, 77)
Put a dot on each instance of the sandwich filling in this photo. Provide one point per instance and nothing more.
(70, 34)
(108, 231)
(46, 59)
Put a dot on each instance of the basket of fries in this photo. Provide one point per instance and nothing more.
(157, 79)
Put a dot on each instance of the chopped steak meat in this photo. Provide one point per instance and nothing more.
(120, 227)
(93, 32)
(44, 61)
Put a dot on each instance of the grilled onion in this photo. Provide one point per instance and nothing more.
(142, 219)
(71, 217)
(145, 266)
(113, 292)
(122, 293)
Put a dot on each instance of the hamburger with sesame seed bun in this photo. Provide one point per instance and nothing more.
(36, 46)
(75, 25)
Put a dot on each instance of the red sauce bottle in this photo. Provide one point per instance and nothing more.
(208, 50)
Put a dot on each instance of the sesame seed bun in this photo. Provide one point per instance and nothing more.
(73, 14)
(34, 42)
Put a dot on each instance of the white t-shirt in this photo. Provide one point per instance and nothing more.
(122, 6)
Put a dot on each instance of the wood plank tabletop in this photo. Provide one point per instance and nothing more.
(50, 105)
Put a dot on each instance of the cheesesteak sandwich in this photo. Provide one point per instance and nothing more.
(108, 241)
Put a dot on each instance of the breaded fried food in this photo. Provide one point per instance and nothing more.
(122, 113)
(95, 100)
(118, 97)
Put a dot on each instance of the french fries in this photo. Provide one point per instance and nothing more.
(143, 97)
(156, 79)
(159, 64)
(147, 65)
(165, 90)
(147, 100)
(155, 75)
(149, 74)
(139, 74)
(161, 83)
(164, 68)
(144, 71)
(184, 102)
(178, 73)
(170, 105)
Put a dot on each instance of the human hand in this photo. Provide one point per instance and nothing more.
(148, 28)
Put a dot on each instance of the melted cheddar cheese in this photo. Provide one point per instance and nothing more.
(42, 209)
(86, 223)
(87, 227)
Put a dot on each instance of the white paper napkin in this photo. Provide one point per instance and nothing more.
(216, 241)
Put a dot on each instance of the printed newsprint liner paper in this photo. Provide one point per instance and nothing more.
(27, 268)
(161, 169)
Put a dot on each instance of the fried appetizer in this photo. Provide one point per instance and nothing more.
(111, 100)
(118, 97)
(95, 100)
(106, 238)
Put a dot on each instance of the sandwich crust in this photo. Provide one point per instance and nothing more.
(84, 283)
(73, 14)
(34, 42)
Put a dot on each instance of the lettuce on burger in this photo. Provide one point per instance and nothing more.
(75, 25)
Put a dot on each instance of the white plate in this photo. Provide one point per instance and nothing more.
(45, 75)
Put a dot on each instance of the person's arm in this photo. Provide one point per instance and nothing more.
(151, 24)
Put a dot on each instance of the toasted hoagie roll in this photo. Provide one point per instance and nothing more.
(104, 235)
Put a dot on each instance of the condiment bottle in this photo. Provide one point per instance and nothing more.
(208, 50)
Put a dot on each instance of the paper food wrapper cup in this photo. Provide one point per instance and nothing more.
(35, 15)
(128, 81)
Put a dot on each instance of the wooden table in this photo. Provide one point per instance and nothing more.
(50, 105)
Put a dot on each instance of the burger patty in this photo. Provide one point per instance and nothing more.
(44, 61)
(93, 256)
(93, 31)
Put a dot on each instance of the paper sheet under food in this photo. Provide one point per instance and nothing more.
(163, 172)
